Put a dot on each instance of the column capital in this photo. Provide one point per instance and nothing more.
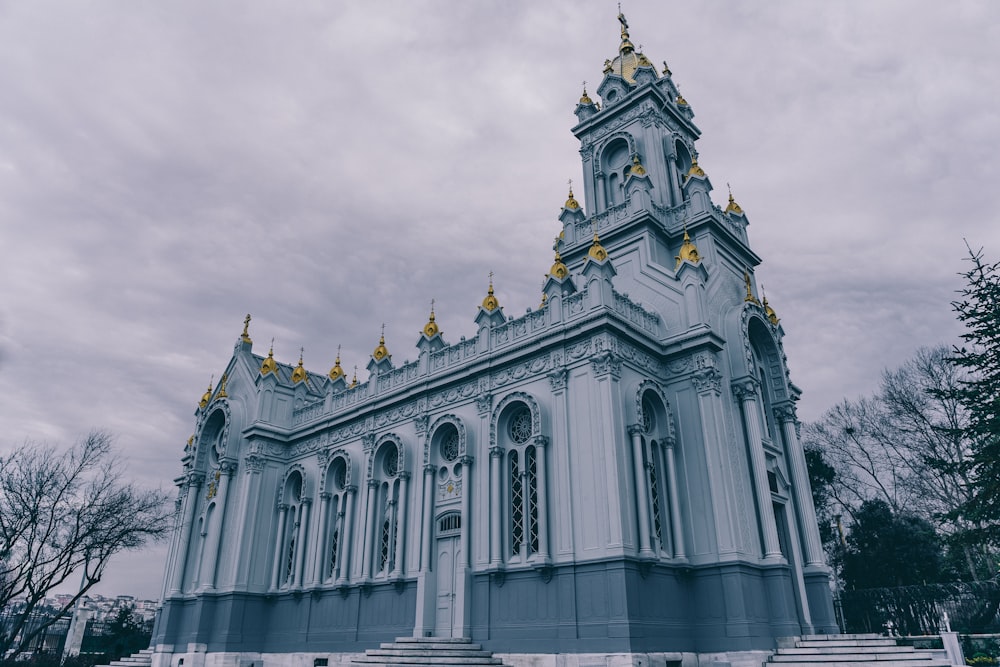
(466, 460)
(351, 488)
(745, 388)
(496, 452)
(325, 495)
(253, 464)
(195, 479)
(373, 483)
(785, 412)
(429, 469)
(541, 441)
(404, 475)
(635, 429)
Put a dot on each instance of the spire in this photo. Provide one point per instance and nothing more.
(637, 168)
(626, 46)
(336, 372)
(207, 396)
(558, 270)
(354, 380)
(749, 297)
(381, 352)
(490, 303)
(733, 206)
(666, 69)
(431, 329)
(772, 316)
(299, 374)
(269, 365)
(571, 202)
(245, 336)
(585, 98)
(688, 251)
(597, 251)
(695, 170)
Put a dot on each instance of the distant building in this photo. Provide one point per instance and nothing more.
(616, 472)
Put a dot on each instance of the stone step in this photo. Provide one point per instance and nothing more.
(819, 638)
(434, 659)
(433, 640)
(866, 660)
(466, 646)
(807, 643)
(831, 650)
(430, 652)
(873, 658)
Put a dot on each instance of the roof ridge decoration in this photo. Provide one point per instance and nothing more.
(300, 374)
(336, 372)
(688, 251)
(381, 351)
(431, 329)
(269, 365)
(207, 396)
(490, 303)
(245, 336)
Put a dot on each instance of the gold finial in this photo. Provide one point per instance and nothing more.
(585, 98)
(637, 168)
(545, 301)
(299, 374)
(733, 206)
(490, 303)
(772, 317)
(749, 297)
(269, 365)
(354, 382)
(245, 337)
(666, 69)
(571, 203)
(207, 396)
(190, 442)
(607, 67)
(222, 387)
(597, 251)
(695, 170)
(558, 270)
(381, 352)
(688, 252)
(336, 372)
(626, 45)
(431, 328)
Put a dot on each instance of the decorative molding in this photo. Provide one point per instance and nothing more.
(557, 379)
(527, 399)
(636, 429)
(606, 363)
(483, 403)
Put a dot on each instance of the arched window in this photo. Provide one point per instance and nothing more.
(653, 418)
(616, 164)
(336, 485)
(291, 530)
(387, 500)
(522, 482)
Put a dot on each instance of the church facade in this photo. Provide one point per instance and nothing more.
(617, 472)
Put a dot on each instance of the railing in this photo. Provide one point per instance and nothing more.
(918, 610)
(635, 313)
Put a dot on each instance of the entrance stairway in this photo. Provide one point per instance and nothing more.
(143, 658)
(427, 651)
(852, 651)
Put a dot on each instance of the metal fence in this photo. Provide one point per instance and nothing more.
(972, 608)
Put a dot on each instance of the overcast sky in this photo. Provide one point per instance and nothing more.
(168, 167)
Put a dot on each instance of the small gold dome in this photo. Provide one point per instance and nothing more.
(597, 251)
(269, 365)
(644, 61)
(380, 352)
(681, 101)
(771, 315)
(571, 202)
(585, 98)
(733, 206)
(637, 168)
(189, 443)
(336, 372)
(490, 303)
(695, 170)
(688, 252)
(354, 382)
(545, 301)
(299, 374)
(207, 396)
(431, 329)
(558, 270)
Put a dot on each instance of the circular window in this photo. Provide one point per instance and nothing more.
(520, 426)
(449, 445)
(391, 461)
(648, 417)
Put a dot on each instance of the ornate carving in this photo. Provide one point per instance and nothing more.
(745, 389)
(483, 402)
(527, 399)
(420, 424)
(636, 429)
(368, 441)
(785, 412)
(557, 379)
(606, 363)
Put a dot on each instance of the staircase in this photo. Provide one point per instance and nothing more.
(428, 651)
(143, 658)
(853, 651)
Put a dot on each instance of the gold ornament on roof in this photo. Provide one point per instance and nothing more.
(207, 396)
(637, 167)
(644, 61)
(688, 252)
(681, 101)
(545, 301)
(749, 297)
(607, 67)
(354, 381)
(299, 374)
(245, 336)
(585, 98)
(626, 46)
(336, 372)
(490, 303)
(381, 351)
(431, 329)
(571, 203)
(558, 270)
(666, 69)
(597, 251)
(772, 317)
(733, 206)
(190, 442)
(222, 387)
(695, 170)
(269, 365)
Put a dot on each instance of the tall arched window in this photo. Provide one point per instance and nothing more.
(336, 486)
(291, 527)
(522, 482)
(387, 524)
(653, 422)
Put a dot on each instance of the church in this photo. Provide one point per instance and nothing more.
(613, 477)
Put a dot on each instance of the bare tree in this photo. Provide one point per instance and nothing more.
(64, 512)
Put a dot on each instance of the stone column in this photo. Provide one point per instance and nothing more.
(785, 416)
(641, 492)
(746, 393)
(675, 508)
(279, 546)
(193, 483)
(543, 506)
(344, 551)
(214, 541)
(246, 523)
(400, 529)
(466, 462)
(302, 526)
(322, 541)
(427, 521)
(496, 513)
(366, 564)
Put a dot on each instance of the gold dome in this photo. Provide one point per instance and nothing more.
(695, 170)
(733, 206)
(299, 374)
(354, 382)
(431, 329)
(771, 315)
(627, 61)
(207, 396)
(585, 98)
(597, 251)
(269, 365)
(490, 303)
(558, 270)
(637, 167)
(688, 251)
(571, 202)
(336, 372)
(681, 101)
(380, 352)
